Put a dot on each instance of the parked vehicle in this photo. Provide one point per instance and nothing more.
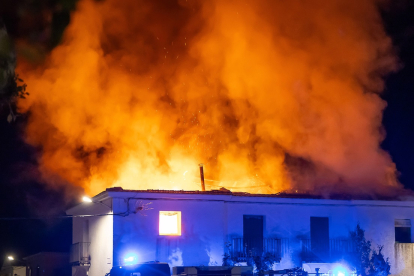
(212, 271)
(144, 269)
(297, 271)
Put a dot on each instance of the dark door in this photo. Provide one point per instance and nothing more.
(253, 234)
(320, 238)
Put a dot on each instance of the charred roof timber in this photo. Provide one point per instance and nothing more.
(224, 191)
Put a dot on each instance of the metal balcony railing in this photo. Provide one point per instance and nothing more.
(341, 246)
(338, 248)
(79, 254)
(306, 252)
(242, 248)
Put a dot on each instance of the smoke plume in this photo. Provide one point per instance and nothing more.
(271, 96)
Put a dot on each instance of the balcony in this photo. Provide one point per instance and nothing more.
(241, 248)
(338, 249)
(79, 254)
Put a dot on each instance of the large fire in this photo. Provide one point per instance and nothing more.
(270, 95)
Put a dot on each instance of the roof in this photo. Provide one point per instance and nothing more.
(224, 191)
(403, 200)
(64, 254)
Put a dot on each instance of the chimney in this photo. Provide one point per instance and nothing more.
(203, 188)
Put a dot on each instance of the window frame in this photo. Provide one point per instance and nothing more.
(402, 231)
(179, 221)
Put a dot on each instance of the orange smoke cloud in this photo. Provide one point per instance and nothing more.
(270, 95)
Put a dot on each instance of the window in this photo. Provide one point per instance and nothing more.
(403, 230)
(319, 234)
(253, 234)
(170, 223)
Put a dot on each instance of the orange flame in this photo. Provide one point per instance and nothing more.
(269, 95)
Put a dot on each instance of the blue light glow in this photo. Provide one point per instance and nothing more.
(341, 271)
(130, 259)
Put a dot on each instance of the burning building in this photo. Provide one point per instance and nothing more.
(192, 228)
(273, 96)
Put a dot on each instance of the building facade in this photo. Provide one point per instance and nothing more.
(198, 228)
(12, 270)
(48, 264)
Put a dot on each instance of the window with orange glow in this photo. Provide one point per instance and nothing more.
(170, 223)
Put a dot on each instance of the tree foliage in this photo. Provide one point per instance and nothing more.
(366, 261)
(378, 265)
(11, 86)
(227, 258)
(360, 258)
(261, 262)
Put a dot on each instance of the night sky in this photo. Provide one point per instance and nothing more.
(399, 114)
(22, 195)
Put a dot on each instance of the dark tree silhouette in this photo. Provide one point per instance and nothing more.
(11, 86)
(367, 262)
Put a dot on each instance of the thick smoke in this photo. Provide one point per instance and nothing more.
(271, 96)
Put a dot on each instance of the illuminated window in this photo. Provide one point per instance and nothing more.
(170, 223)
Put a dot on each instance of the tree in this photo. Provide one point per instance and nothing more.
(261, 262)
(264, 262)
(227, 259)
(360, 258)
(366, 261)
(11, 86)
(378, 265)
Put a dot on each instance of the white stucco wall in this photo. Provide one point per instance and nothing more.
(100, 221)
(287, 218)
(208, 221)
(101, 249)
(201, 242)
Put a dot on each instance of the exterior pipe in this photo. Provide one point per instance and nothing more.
(203, 187)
